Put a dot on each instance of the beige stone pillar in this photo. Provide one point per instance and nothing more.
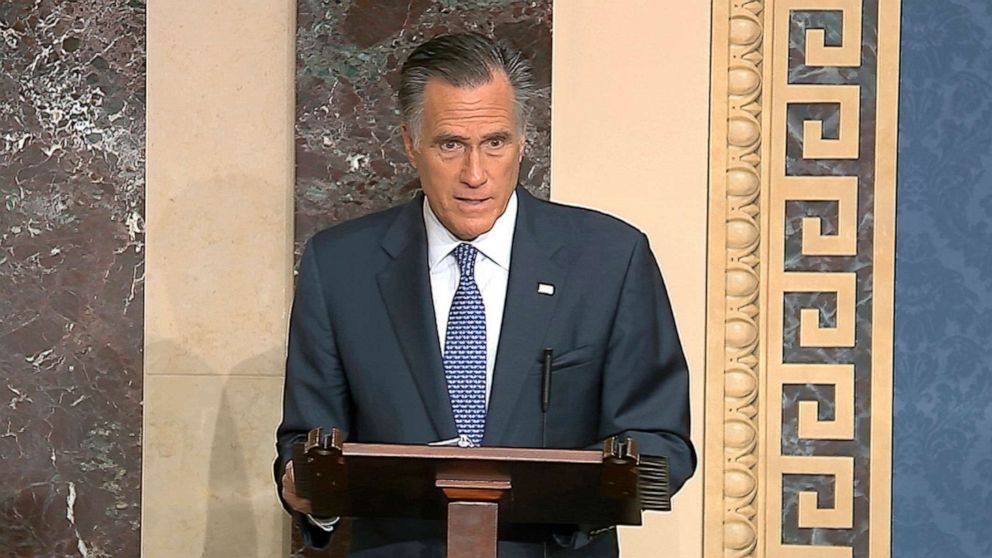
(218, 274)
(630, 130)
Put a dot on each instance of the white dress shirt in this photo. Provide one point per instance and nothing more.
(492, 271)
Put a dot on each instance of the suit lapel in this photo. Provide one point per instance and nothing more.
(527, 314)
(406, 291)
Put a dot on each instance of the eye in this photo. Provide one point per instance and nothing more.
(449, 145)
(496, 143)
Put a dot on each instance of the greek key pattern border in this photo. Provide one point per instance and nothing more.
(799, 349)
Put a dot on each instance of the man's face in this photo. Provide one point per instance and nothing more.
(469, 153)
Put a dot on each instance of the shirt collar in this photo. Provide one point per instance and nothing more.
(496, 244)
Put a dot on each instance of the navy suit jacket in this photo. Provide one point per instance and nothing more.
(364, 355)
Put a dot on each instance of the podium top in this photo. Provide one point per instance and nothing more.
(551, 486)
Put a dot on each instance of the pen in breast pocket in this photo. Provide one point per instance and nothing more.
(546, 380)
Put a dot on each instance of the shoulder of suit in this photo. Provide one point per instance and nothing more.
(358, 232)
(595, 225)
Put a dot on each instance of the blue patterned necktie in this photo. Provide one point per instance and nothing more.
(465, 351)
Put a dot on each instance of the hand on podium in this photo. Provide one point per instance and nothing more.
(301, 505)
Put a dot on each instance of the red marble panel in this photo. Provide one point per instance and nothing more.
(72, 138)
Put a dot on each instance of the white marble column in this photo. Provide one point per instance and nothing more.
(218, 274)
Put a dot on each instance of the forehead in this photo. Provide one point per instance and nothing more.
(449, 105)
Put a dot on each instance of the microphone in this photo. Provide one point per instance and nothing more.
(546, 380)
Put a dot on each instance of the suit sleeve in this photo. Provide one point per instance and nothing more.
(645, 392)
(316, 390)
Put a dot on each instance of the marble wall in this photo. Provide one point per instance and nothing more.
(72, 138)
(349, 153)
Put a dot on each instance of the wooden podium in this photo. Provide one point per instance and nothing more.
(475, 489)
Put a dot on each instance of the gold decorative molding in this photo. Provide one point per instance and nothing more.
(800, 278)
(732, 429)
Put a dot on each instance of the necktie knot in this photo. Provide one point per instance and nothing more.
(465, 254)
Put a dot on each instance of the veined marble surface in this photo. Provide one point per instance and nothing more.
(72, 138)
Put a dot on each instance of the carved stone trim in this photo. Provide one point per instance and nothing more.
(734, 280)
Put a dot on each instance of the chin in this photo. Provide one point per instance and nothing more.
(474, 230)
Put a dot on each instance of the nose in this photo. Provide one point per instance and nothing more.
(473, 172)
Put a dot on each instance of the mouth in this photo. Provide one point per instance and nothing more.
(469, 203)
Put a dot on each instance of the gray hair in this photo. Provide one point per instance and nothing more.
(463, 60)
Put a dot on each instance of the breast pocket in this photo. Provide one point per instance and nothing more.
(571, 358)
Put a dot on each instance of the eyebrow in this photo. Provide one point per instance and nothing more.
(503, 135)
(444, 138)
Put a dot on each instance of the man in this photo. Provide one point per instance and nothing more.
(428, 322)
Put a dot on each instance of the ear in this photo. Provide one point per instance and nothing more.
(408, 146)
